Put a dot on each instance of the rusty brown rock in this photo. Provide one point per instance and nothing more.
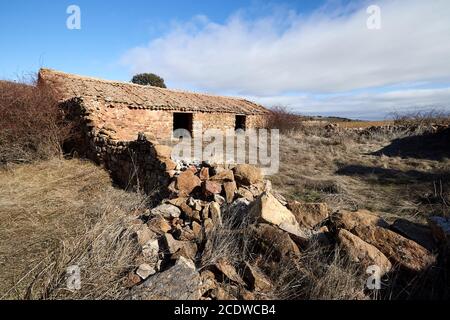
(211, 188)
(223, 176)
(245, 193)
(361, 252)
(228, 270)
(309, 215)
(204, 174)
(247, 174)
(255, 279)
(348, 220)
(187, 182)
(230, 189)
(401, 251)
(159, 225)
(274, 241)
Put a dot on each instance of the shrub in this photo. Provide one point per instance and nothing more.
(284, 120)
(32, 125)
(422, 118)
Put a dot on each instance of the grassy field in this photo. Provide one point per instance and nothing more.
(348, 171)
(364, 124)
(59, 212)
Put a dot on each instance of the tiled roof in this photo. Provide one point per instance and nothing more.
(111, 93)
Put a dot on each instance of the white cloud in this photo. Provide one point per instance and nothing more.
(325, 52)
(365, 106)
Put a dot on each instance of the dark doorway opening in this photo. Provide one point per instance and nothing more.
(182, 121)
(240, 122)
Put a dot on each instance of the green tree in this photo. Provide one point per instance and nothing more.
(149, 79)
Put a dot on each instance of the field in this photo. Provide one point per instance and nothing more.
(363, 124)
(393, 174)
(57, 211)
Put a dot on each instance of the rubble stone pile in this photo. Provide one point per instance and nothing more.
(182, 257)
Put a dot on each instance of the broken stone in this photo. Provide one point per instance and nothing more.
(180, 282)
(187, 181)
(208, 225)
(255, 279)
(223, 176)
(361, 252)
(219, 199)
(145, 270)
(204, 174)
(191, 213)
(197, 230)
(348, 220)
(244, 193)
(177, 201)
(167, 211)
(274, 241)
(150, 250)
(211, 188)
(179, 248)
(159, 225)
(269, 209)
(230, 189)
(228, 270)
(215, 212)
(144, 235)
(401, 251)
(246, 174)
(309, 215)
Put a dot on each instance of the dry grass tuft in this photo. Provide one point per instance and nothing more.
(56, 213)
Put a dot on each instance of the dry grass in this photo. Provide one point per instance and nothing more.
(56, 213)
(363, 124)
(344, 171)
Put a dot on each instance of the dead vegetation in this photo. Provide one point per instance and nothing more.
(58, 213)
(350, 171)
(32, 125)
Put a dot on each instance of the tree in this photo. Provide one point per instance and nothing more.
(149, 79)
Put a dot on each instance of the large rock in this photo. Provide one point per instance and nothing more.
(401, 251)
(159, 225)
(348, 220)
(309, 215)
(223, 176)
(178, 248)
(168, 211)
(247, 175)
(180, 282)
(275, 242)
(268, 209)
(228, 270)
(361, 252)
(416, 232)
(255, 279)
(230, 189)
(211, 188)
(187, 181)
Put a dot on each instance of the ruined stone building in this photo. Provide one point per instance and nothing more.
(110, 116)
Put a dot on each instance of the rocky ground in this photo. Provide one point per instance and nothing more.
(224, 233)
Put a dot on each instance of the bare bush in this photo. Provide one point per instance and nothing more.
(32, 125)
(284, 120)
(421, 118)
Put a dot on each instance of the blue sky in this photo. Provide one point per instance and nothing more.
(315, 57)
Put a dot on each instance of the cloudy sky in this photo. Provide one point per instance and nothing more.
(315, 57)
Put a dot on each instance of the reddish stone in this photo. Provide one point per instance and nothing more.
(211, 187)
